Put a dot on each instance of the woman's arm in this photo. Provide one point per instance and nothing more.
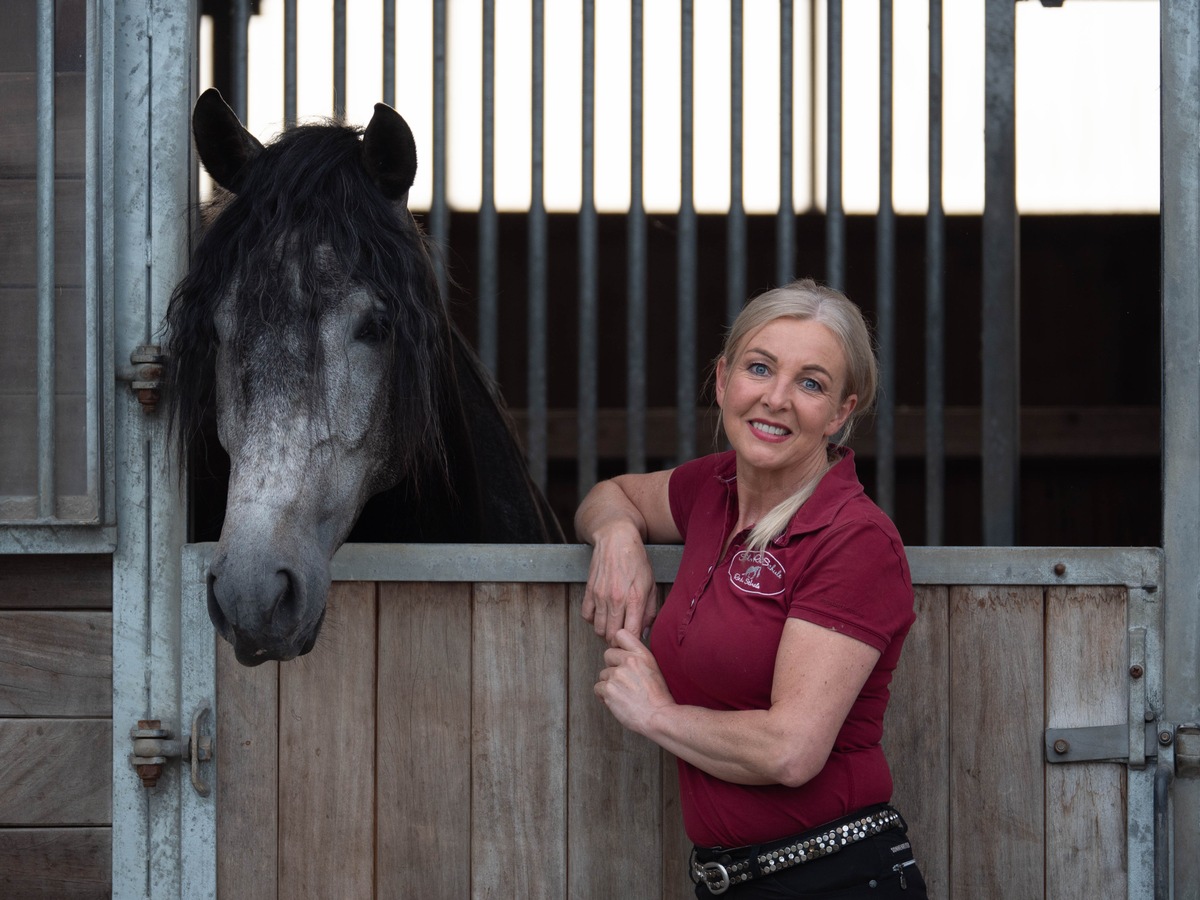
(818, 675)
(618, 518)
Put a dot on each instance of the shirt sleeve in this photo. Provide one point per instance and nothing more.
(857, 583)
(684, 487)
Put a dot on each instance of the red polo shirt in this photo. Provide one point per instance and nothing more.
(840, 565)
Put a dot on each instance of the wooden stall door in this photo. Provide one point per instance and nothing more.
(985, 671)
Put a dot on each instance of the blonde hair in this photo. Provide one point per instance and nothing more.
(805, 299)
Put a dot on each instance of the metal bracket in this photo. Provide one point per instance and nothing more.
(153, 745)
(1098, 743)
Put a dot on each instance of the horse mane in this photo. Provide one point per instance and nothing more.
(309, 189)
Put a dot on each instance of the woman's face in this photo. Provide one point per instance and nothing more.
(781, 398)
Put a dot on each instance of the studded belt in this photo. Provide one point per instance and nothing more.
(719, 869)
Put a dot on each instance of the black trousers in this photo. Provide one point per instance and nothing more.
(878, 867)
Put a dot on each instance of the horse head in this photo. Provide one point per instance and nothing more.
(310, 316)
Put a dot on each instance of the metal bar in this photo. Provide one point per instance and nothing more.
(635, 272)
(289, 63)
(735, 241)
(542, 563)
(835, 217)
(488, 231)
(239, 55)
(389, 52)
(885, 280)
(439, 220)
(588, 264)
(785, 219)
(685, 382)
(339, 59)
(46, 387)
(1180, 223)
(1001, 435)
(935, 315)
(536, 325)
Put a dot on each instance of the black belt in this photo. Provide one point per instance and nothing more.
(718, 869)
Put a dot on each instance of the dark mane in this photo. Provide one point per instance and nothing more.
(308, 189)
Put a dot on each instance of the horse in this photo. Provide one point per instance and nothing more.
(310, 324)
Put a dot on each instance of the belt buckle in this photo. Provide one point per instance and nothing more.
(722, 884)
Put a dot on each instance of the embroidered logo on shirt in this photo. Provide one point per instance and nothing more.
(756, 572)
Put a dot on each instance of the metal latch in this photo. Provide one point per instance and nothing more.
(153, 745)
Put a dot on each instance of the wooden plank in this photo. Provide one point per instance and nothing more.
(55, 663)
(247, 755)
(55, 863)
(614, 808)
(916, 736)
(423, 749)
(997, 805)
(327, 755)
(44, 581)
(55, 772)
(1086, 684)
(677, 849)
(518, 741)
(18, 226)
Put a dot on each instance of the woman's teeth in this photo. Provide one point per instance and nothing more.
(769, 429)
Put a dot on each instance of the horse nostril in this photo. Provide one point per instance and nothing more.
(287, 598)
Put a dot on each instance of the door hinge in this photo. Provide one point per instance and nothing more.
(145, 375)
(153, 745)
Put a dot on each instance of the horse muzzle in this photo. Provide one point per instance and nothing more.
(264, 609)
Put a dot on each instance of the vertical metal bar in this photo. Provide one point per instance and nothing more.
(289, 63)
(685, 382)
(1180, 223)
(439, 221)
(785, 220)
(835, 218)
(588, 265)
(536, 325)
(239, 56)
(389, 52)
(635, 270)
(735, 247)
(46, 387)
(1001, 261)
(339, 59)
(488, 342)
(935, 325)
(885, 280)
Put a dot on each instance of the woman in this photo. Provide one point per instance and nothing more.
(767, 672)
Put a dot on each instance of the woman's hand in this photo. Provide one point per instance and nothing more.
(631, 685)
(620, 591)
(618, 517)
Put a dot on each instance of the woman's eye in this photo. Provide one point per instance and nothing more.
(810, 384)
(758, 368)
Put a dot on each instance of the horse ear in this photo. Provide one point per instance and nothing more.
(390, 153)
(223, 144)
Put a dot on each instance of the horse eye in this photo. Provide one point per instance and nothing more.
(371, 331)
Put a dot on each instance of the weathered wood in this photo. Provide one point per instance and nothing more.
(18, 112)
(997, 806)
(55, 772)
(1086, 684)
(916, 736)
(327, 755)
(676, 846)
(40, 581)
(423, 750)
(614, 807)
(519, 699)
(18, 220)
(55, 863)
(247, 755)
(55, 663)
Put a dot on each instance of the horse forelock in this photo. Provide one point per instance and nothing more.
(307, 224)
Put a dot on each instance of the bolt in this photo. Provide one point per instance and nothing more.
(1060, 569)
(1136, 671)
(1061, 746)
(1164, 738)
(149, 774)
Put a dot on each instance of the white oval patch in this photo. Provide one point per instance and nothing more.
(756, 572)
